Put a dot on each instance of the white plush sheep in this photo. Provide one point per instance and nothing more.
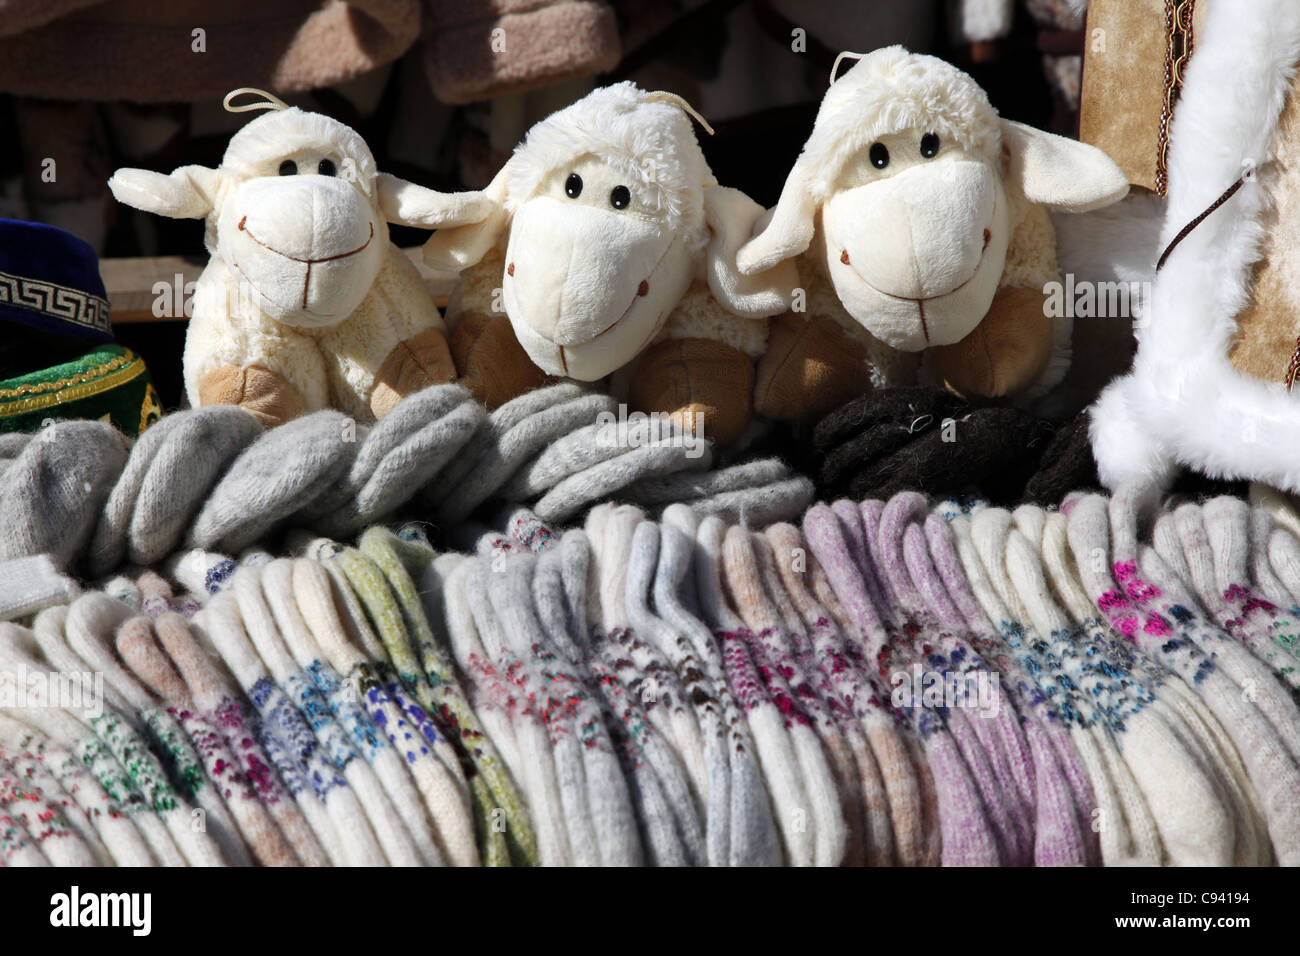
(613, 249)
(928, 215)
(305, 303)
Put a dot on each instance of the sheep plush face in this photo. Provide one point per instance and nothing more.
(298, 213)
(945, 215)
(912, 174)
(307, 240)
(592, 269)
(609, 209)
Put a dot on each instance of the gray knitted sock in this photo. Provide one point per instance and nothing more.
(754, 839)
(398, 456)
(259, 491)
(169, 473)
(608, 797)
(50, 495)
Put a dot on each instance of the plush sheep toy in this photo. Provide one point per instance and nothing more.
(928, 215)
(611, 252)
(305, 303)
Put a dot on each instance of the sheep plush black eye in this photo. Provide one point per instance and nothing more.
(929, 145)
(288, 168)
(619, 197)
(326, 167)
(878, 155)
(573, 186)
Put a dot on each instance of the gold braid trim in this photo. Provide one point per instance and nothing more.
(1179, 42)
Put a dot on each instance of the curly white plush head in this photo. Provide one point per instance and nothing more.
(297, 210)
(913, 174)
(609, 206)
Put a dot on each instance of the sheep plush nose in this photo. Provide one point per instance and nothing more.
(574, 271)
(916, 235)
(309, 218)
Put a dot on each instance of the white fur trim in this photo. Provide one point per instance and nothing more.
(1183, 400)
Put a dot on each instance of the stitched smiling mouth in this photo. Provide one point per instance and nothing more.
(920, 302)
(306, 282)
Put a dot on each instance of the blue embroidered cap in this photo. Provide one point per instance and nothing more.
(49, 280)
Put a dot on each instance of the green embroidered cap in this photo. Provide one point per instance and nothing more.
(108, 383)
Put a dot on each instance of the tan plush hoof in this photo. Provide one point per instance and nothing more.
(694, 379)
(493, 365)
(811, 367)
(1005, 354)
(266, 395)
(416, 363)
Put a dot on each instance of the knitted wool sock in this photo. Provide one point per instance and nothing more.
(26, 753)
(514, 433)
(222, 624)
(71, 733)
(18, 846)
(1284, 560)
(1048, 728)
(969, 835)
(607, 792)
(341, 750)
(26, 806)
(824, 763)
(817, 647)
(409, 729)
(136, 646)
(488, 691)
(114, 729)
(1262, 525)
(750, 833)
(682, 686)
(790, 802)
(40, 754)
(89, 628)
(172, 467)
(1184, 655)
(401, 454)
(1167, 761)
(641, 671)
(927, 850)
(1044, 638)
(1267, 630)
(988, 713)
(317, 681)
(613, 817)
(557, 784)
(1254, 845)
(1011, 824)
(1061, 836)
(426, 668)
(611, 543)
(53, 489)
(663, 688)
(276, 777)
(1123, 817)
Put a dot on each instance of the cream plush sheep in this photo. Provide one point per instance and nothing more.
(305, 303)
(927, 215)
(612, 248)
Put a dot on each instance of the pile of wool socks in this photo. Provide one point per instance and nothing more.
(212, 478)
(887, 682)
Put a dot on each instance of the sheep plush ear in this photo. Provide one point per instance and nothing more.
(791, 228)
(1058, 172)
(189, 192)
(407, 204)
(455, 249)
(731, 217)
